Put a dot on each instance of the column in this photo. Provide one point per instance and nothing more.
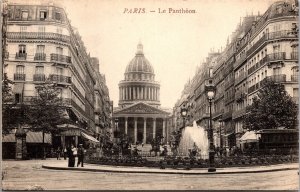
(138, 92)
(158, 94)
(133, 92)
(123, 89)
(155, 95)
(142, 92)
(126, 125)
(154, 128)
(76, 141)
(130, 97)
(63, 141)
(145, 135)
(126, 92)
(164, 130)
(135, 130)
(148, 93)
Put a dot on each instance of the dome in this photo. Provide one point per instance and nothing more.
(139, 63)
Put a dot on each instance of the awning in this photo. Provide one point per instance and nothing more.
(18, 88)
(89, 137)
(31, 137)
(37, 137)
(249, 136)
(68, 126)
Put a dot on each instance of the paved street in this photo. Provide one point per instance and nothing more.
(29, 174)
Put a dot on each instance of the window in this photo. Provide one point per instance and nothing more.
(295, 71)
(22, 49)
(276, 71)
(41, 29)
(57, 16)
(40, 48)
(24, 15)
(39, 70)
(59, 71)
(20, 69)
(43, 15)
(59, 50)
(295, 92)
(17, 98)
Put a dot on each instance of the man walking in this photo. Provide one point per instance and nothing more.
(80, 155)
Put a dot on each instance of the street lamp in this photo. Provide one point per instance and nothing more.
(183, 113)
(210, 93)
(220, 132)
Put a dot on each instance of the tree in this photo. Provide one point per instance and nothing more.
(46, 111)
(272, 108)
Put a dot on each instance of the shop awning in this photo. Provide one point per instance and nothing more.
(18, 88)
(31, 137)
(249, 136)
(89, 137)
(68, 126)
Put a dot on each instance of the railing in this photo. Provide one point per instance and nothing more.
(294, 55)
(218, 113)
(239, 113)
(277, 78)
(253, 88)
(294, 78)
(257, 44)
(60, 78)
(240, 78)
(38, 35)
(19, 77)
(78, 108)
(39, 77)
(227, 115)
(240, 61)
(40, 57)
(239, 95)
(258, 65)
(77, 91)
(229, 83)
(276, 56)
(60, 58)
(271, 36)
(21, 56)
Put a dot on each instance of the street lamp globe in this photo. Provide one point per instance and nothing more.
(183, 112)
(210, 94)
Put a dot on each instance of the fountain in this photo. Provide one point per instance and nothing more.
(191, 135)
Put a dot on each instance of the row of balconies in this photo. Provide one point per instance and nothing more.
(42, 57)
(272, 36)
(240, 78)
(42, 78)
(38, 35)
(239, 113)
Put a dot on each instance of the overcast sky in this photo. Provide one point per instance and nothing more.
(173, 43)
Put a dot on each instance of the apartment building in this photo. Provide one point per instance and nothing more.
(42, 45)
(262, 47)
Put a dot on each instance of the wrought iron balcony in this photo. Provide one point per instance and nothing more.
(60, 58)
(281, 34)
(60, 79)
(40, 57)
(294, 55)
(240, 95)
(294, 78)
(253, 88)
(19, 77)
(239, 113)
(276, 56)
(38, 35)
(21, 56)
(240, 78)
(257, 44)
(277, 78)
(39, 77)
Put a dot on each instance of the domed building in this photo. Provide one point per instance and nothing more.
(139, 115)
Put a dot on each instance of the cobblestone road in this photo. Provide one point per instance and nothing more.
(22, 175)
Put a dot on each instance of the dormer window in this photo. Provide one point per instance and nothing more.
(57, 16)
(43, 15)
(24, 15)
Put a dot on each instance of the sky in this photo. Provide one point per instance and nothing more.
(175, 44)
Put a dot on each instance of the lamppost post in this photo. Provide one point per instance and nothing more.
(210, 91)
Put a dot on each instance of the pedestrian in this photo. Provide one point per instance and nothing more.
(80, 154)
(65, 153)
(58, 152)
(71, 162)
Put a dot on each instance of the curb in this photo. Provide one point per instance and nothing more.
(185, 172)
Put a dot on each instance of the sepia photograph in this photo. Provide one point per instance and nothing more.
(149, 95)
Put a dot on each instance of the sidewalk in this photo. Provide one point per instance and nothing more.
(62, 165)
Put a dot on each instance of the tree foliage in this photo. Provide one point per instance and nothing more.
(47, 109)
(272, 108)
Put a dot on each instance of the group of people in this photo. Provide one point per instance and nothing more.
(72, 152)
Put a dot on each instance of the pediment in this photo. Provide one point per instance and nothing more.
(141, 108)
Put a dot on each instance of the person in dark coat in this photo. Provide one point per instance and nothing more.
(80, 154)
(71, 161)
